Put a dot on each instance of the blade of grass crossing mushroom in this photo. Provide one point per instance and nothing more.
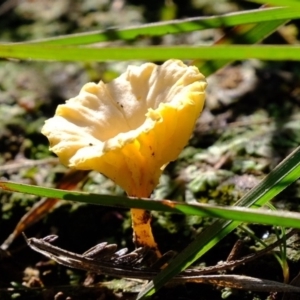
(238, 213)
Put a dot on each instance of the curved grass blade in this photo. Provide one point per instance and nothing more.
(173, 27)
(281, 177)
(237, 213)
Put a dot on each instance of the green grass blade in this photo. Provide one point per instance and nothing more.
(251, 35)
(154, 53)
(237, 213)
(174, 27)
(290, 3)
(282, 176)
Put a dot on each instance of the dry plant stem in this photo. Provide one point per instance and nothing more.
(110, 267)
(83, 262)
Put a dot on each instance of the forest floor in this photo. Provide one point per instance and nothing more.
(249, 124)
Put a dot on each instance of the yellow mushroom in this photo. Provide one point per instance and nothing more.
(130, 128)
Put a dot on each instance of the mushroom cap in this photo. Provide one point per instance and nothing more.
(132, 127)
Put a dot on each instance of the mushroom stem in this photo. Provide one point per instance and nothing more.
(141, 224)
